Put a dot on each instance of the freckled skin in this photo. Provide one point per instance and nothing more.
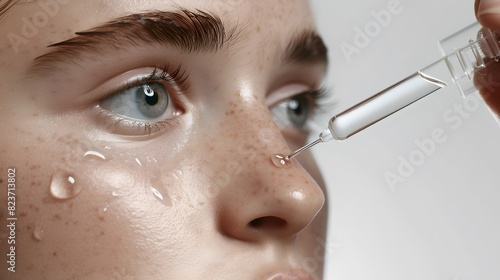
(233, 216)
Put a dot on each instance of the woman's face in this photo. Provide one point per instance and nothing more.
(141, 140)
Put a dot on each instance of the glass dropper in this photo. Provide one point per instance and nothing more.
(462, 62)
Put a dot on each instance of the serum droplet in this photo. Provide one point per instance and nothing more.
(38, 233)
(280, 160)
(64, 186)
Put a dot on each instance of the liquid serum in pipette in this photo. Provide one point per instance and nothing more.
(462, 62)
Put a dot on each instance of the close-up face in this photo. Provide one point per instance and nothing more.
(137, 139)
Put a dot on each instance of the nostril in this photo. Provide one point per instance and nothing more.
(268, 223)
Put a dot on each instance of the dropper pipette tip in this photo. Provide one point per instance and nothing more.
(303, 148)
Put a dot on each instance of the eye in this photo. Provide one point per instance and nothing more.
(145, 105)
(294, 112)
(146, 102)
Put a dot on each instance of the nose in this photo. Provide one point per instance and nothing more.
(263, 201)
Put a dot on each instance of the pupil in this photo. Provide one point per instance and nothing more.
(151, 96)
(295, 107)
(298, 111)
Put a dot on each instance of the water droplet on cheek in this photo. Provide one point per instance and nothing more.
(38, 233)
(101, 212)
(91, 154)
(64, 186)
(280, 160)
(162, 195)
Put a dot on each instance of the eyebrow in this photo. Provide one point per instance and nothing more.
(307, 47)
(187, 31)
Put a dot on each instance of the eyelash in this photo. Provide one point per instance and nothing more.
(176, 79)
(321, 100)
(319, 96)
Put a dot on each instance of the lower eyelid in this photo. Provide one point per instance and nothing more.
(115, 124)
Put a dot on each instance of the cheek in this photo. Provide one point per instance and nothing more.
(88, 210)
(62, 208)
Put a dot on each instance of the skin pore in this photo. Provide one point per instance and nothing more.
(141, 134)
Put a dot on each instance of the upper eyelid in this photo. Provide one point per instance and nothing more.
(320, 97)
(176, 79)
(92, 93)
(286, 92)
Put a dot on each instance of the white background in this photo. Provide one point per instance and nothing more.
(442, 222)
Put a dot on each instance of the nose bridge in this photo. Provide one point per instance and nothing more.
(256, 123)
(255, 139)
(249, 131)
(263, 200)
